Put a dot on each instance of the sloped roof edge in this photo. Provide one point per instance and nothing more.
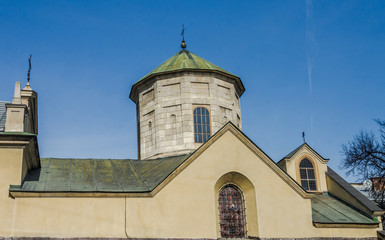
(252, 146)
(174, 170)
(370, 205)
(303, 145)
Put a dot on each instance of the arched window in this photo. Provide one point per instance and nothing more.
(232, 214)
(201, 124)
(306, 171)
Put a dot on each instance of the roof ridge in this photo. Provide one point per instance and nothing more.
(140, 177)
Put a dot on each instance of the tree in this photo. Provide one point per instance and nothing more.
(365, 156)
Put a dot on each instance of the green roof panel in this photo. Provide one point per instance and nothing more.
(98, 175)
(185, 60)
(330, 210)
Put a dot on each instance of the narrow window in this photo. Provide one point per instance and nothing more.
(201, 124)
(232, 214)
(150, 130)
(306, 171)
(173, 118)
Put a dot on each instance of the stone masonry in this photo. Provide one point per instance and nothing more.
(165, 110)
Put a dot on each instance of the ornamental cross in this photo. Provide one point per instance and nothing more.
(29, 68)
(303, 137)
(182, 34)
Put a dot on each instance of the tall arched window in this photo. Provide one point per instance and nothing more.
(232, 214)
(306, 171)
(201, 124)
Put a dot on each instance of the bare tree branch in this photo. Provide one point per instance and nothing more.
(365, 156)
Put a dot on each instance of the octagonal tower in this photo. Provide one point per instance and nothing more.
(181, 103)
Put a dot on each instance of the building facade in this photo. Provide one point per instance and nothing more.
(197, 176)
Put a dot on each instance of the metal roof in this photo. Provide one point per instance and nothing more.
(98, 175)
(327, 209)
(352, 191)
(185, 59)
(3, 115)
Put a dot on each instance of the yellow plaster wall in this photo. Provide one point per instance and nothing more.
(70, 217)
(10, 173)
(320, 167)
(184, 208)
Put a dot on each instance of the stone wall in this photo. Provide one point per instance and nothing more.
(165, 110)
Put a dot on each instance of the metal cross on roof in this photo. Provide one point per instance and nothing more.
(303, 137)
(183, 45)
(29, 68)
(182, 34)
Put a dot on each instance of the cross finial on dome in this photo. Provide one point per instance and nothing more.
(183, 45)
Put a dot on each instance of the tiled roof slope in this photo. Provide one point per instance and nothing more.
(98, 175)
(3, 115)
(326, 209)
(369, 204)
(185, 60)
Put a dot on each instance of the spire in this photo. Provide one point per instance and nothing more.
(183, 45)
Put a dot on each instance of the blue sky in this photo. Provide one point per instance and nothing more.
(87, 54)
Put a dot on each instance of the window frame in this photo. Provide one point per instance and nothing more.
(201, 124)
(242, 221)
(307, 179)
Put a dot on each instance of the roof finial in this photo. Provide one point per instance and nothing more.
(29, 72)
(183, 45)
(303, 137)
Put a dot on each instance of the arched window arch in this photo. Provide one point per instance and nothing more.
(173, 118)
(232, 214)
(202, 130)
(307, 174)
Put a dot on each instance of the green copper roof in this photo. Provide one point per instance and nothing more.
(185, 60)
(327, 209)
(98, 175)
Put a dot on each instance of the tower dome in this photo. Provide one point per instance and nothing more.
(181, 103)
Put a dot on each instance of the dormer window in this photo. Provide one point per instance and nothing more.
(201, 124)
(306, 171)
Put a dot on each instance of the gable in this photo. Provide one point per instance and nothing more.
(196, 182)
(290, 164)
(234, 137)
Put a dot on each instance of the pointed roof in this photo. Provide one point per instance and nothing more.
(185, 60)
(303, 145)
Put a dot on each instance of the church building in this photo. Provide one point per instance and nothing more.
(197, 175)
